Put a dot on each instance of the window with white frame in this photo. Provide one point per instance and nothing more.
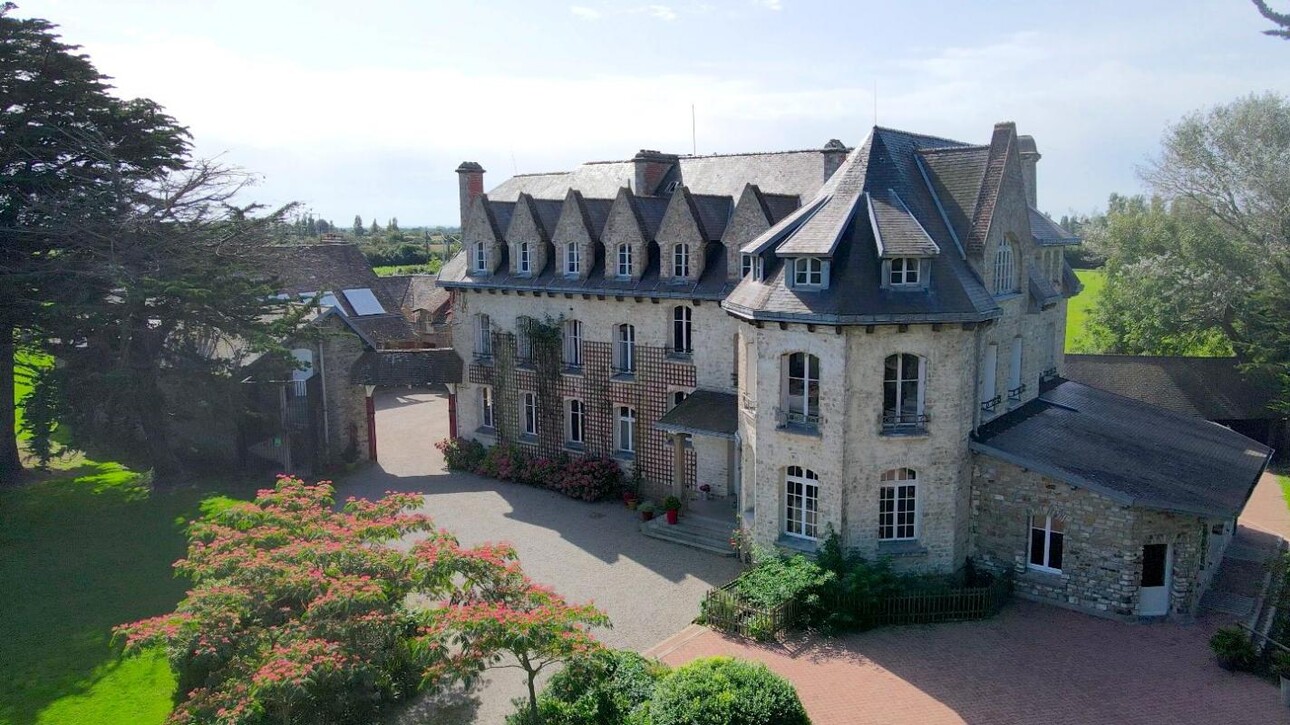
(486, 407)
(572, 260)
(481, 257)
(898, 505)
(904, 272)
(577, 422)
(808, 272)
(745, 265)
(802, 388)
(625, 430)
(681, 261)
(624, 260)
(1047, 534)
(682, 316)
(483, 337)
(524, 339)
(801, 502)
(1005, 269)
(525, 254)
(572, 344)
(902, 392)
(1015, 387)
(989, 378)
(625, 349)
(529, 400)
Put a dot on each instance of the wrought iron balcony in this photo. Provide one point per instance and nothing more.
(989, 405)
(894, 423)
(793, 419)
(1015, 394)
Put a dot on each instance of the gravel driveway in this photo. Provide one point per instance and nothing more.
(650, 589)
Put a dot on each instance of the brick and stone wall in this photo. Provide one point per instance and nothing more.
(339, 348)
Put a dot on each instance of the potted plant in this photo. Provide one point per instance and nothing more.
(1232, 648)
(647, 510)
(704, 490)
(672, 505)
(1281, 665)
(630, 498)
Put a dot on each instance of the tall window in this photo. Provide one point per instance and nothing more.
(681, 342)
(486, 406)
(897, 505)
(989, 378)
(577, 421)
(1005, 272)
(572, 343)
(745, 265)
(902, 392)
(808, 272)
(625, 431)
(572, 259)
(624, 260)
(802, 393)
(481, 257)
(524, 339)
(525, 258)
(1046, 538)
(483, 337)
(530, 413)
(904, 272)
(625, 349)
(801, 503)
(681, 261)
(1015, 386)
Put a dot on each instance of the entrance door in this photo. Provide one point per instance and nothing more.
(1157, 565)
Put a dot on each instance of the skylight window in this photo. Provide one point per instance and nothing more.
(364, 302)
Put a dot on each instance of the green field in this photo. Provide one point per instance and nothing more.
(1077, 311)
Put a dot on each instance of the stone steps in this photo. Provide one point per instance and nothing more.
(696, 532)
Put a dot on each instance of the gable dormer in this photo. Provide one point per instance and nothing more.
(681, 240)
(482, 238)
(904, 247)
(750, 219)
(528, 239)
(575, 238)
(625, 239)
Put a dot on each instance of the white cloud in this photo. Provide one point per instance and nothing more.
(769, 4)
(586, 13)
(662, 12)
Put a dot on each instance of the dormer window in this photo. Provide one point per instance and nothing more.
(759, 272)
(681, 261)
(525, 258)
(572, 260)
(808, 272)
(624, 260)
(745, 265)
(904, 272)
(481, 258)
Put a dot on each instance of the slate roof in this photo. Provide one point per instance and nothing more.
(1206, 387)
(1048, 232)
(311, 268)
(703, 412)
(955, 175)
(1128, 451)
(382, 330)
(407, 368)
(896, 231)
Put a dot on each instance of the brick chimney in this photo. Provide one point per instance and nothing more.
(470, 184)
(835, 152)
(651, 167)
(1029, 158)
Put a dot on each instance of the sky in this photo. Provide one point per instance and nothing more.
(368, 107)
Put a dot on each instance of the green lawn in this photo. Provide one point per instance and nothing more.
(1284, 480)
(1077, 311)
(401, 269)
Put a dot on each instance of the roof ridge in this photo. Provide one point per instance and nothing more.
(919, 135)
(952, 149)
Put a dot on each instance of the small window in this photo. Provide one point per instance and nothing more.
(625, 431)
(904, 272)
(745, 265)
(486, 407)
(572, 260)
(681, 330)
(481, 258)
(624, 260)
(483, 337)
(679, 397)
(530, 413)
(801, 503)
(897, 505)
(1046, 538)
(577, 422)
(681, 261)
(760, 271)
(808, 272)
(1005, 272)
(526, 258)
(573, 344)
(625, 350)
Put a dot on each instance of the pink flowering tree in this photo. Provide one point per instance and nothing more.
(302, 613)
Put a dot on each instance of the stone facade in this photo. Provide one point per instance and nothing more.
(346, 406)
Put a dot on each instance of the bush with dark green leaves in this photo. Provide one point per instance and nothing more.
(608, 687)
(725, 691)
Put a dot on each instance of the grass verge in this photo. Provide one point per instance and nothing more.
(1078, 339)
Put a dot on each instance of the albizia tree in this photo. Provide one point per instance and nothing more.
(302, 613)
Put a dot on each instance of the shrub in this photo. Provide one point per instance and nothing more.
(544, 472)
(608, 687)
(590, 479)
(1232, 647)
(725, 691)
(853, 584)
(461, 454)
(503, 462)
(773, 580)
(671, 503)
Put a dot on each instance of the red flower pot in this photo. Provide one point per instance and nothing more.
(673, 515)
(647, 515)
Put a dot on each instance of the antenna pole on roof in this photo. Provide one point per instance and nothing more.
(694, 143)
(515, 169)
(875, 101)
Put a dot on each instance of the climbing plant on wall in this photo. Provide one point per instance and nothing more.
(545, 338)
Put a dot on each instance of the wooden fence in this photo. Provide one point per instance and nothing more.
(945, 605)
(725, 610)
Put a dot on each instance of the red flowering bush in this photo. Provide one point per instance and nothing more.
(545, 472)
(461, 454)
(299, 612)
(503, 462)
(591, 479)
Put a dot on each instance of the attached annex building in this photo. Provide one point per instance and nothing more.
(866, 340)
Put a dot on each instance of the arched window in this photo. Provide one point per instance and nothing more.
(801, 390)
(572, 344)
(898, 505)
(681, 339)
(1005, 272)
(525, 255)
(681, 261)
(625, 349)
(902, 393)
(483, 337)
(624, 260)
(808, 272)
(572, 260)
(481, 258)
(801, 502)
(625, 430)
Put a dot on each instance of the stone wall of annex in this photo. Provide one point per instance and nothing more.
(346, 404)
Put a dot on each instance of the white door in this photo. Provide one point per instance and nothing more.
(1157, 570)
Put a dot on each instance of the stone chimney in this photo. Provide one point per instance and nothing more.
(1029, 157)
(835, 152)
(651, 167)
(470, 184)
